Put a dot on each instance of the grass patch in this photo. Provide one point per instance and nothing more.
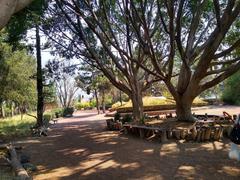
(154, 103)
(15, 127)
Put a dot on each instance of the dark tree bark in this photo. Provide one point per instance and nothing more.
(137, 104)
(103, 102)
(2, 110)
(40, 102)
(97, 100)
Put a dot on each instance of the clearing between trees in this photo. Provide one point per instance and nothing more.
(81, 148)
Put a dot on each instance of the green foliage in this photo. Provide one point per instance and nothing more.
(58, 112)
(117, 116)
(22, 21)
(85, 105)
(21, 88)
(47, 117)
(15, 127)
(231, 93)
(127, 118)
(68, 111)
(16, 70)
(49, 92)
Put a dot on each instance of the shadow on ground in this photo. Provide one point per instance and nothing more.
(82, 149)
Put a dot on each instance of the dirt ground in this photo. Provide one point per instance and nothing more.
(81, 148)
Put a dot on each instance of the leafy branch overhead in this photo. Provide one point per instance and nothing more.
(195, 42)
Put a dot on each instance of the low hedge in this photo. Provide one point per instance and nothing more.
(166, 105)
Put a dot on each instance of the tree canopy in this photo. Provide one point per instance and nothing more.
(190, 41)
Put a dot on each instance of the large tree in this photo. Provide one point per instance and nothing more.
(99, 34)
(191, 41)
(27, 19)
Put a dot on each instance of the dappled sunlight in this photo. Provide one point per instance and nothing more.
(100, 165)
(148, 151)
(230, 170)
(215, 146)
(130, 166)
(28, 141)
(169, 149)
(86, 150)
(56, 173)
(185, 172)
(75, 152)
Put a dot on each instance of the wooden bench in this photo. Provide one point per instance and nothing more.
(54, 121)
(147, 131)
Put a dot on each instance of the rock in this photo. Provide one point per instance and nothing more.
(24, 158)
(29, 167)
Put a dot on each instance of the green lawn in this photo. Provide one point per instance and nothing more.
(15, 127)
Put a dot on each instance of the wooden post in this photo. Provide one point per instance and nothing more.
(163, 136)
(177, 134)
(142, 134)
(208, 134)
(203, 134)
(199, 135)
(215, 137)
(125, 130)
(194, 133)
(169, 134)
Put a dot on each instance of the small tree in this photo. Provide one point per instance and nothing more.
(61, 74)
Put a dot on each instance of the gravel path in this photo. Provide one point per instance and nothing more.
(81, 148)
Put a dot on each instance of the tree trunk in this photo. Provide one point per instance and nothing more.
(40, 102)
(120, 97)
(103, 102)
(137, 104)
(183, 109)
(12, 109)
(2, 110)
(97, 101)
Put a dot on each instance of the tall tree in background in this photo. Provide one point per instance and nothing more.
(17, 28)
(193, 41)
(84, 30)
(5, 53)
(40, 102)
(20, 90)
(62, 73)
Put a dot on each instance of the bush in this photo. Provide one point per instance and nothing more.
(47, 117)
(231, 91)
(127, 118)
(85, 105)
(155, 104)
(58, 112)
(68, 111)
(117, 116)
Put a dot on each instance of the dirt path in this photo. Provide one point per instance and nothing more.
(80, 148)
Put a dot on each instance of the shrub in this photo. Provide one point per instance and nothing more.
(68, 111)
(58, 112)
(127, 118)
(231, 93)
(85, 105)
(154, 104)
(117, 116)
(47, 117)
